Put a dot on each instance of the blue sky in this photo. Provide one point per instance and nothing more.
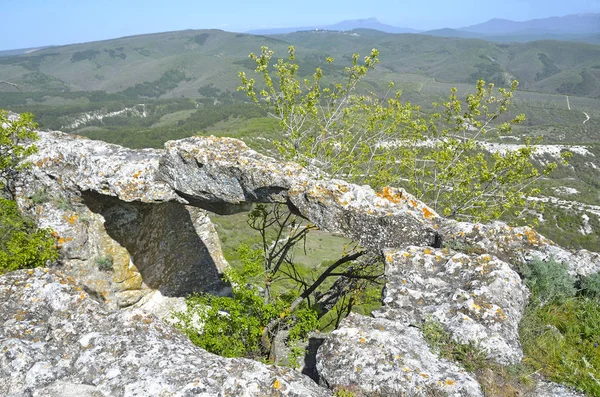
(31, 23)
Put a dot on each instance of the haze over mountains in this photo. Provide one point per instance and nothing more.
(576, 27)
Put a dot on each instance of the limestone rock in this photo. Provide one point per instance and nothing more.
(55, 340)
(145, 246)
(518, 245)
(216, 173)
(380, 357)
(551, 389)
(478, 298)
(140, 209)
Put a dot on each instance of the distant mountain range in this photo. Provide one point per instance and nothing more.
(370, 23)
(576, 27)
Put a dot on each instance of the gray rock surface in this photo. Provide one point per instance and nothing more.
(551, 389)
(517, 245)
(164, 246)
(57, 341)
(140, 208)
(380, 357)
(216, 173)
(478, 298)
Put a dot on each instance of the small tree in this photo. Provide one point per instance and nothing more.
(383, 141)
(22, 245)
(15, 134)
(246, 323)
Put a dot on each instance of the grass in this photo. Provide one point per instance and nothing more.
(560, 330)
(559, 333)
(561, 341)
(495, 380)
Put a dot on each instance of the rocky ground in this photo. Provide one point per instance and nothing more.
(81, 330)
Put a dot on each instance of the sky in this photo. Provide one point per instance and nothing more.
(34, 23)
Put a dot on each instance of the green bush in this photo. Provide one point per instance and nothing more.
(590, 285)
(233, 326)
(560, 330)
(104, 263)
(22, 245)
(548, 280)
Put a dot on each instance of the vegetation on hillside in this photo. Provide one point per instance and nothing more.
(560, 331)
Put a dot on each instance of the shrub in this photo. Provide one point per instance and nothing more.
(104, 263)
(590, 285)
(22, 245)
(548, 280)
(380, 140)
(233, 326)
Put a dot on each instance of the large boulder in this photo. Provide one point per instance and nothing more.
(478, 298)
(56, 341)
(221, 173)
(516, 245)
(380, 357)
(124, 251)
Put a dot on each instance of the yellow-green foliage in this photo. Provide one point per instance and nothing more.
(21, 244)
(380, 140)
(15, 143)
(233, 326)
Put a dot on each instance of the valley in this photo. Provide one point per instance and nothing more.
(141, 91)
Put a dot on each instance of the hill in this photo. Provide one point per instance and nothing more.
(177, 64)
(141, 91)
(569, 24)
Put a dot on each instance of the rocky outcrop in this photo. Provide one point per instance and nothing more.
(517, 245)
(134, 232)
(56, 341)
(478, 298)
(379, 357)
(142, 210)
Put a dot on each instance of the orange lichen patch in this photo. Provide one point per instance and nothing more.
(500, 314)
(62, 241)
(450, 382)
(427, 251)
(137, 174)
(427, 213)
(424, 375)
(532, 236)
(413, 203)
(406, 254)
(343, 188)
(362, 340)
(71, 218)
(389, 257)
(403, 281)
(390, 194)
(276, 384)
